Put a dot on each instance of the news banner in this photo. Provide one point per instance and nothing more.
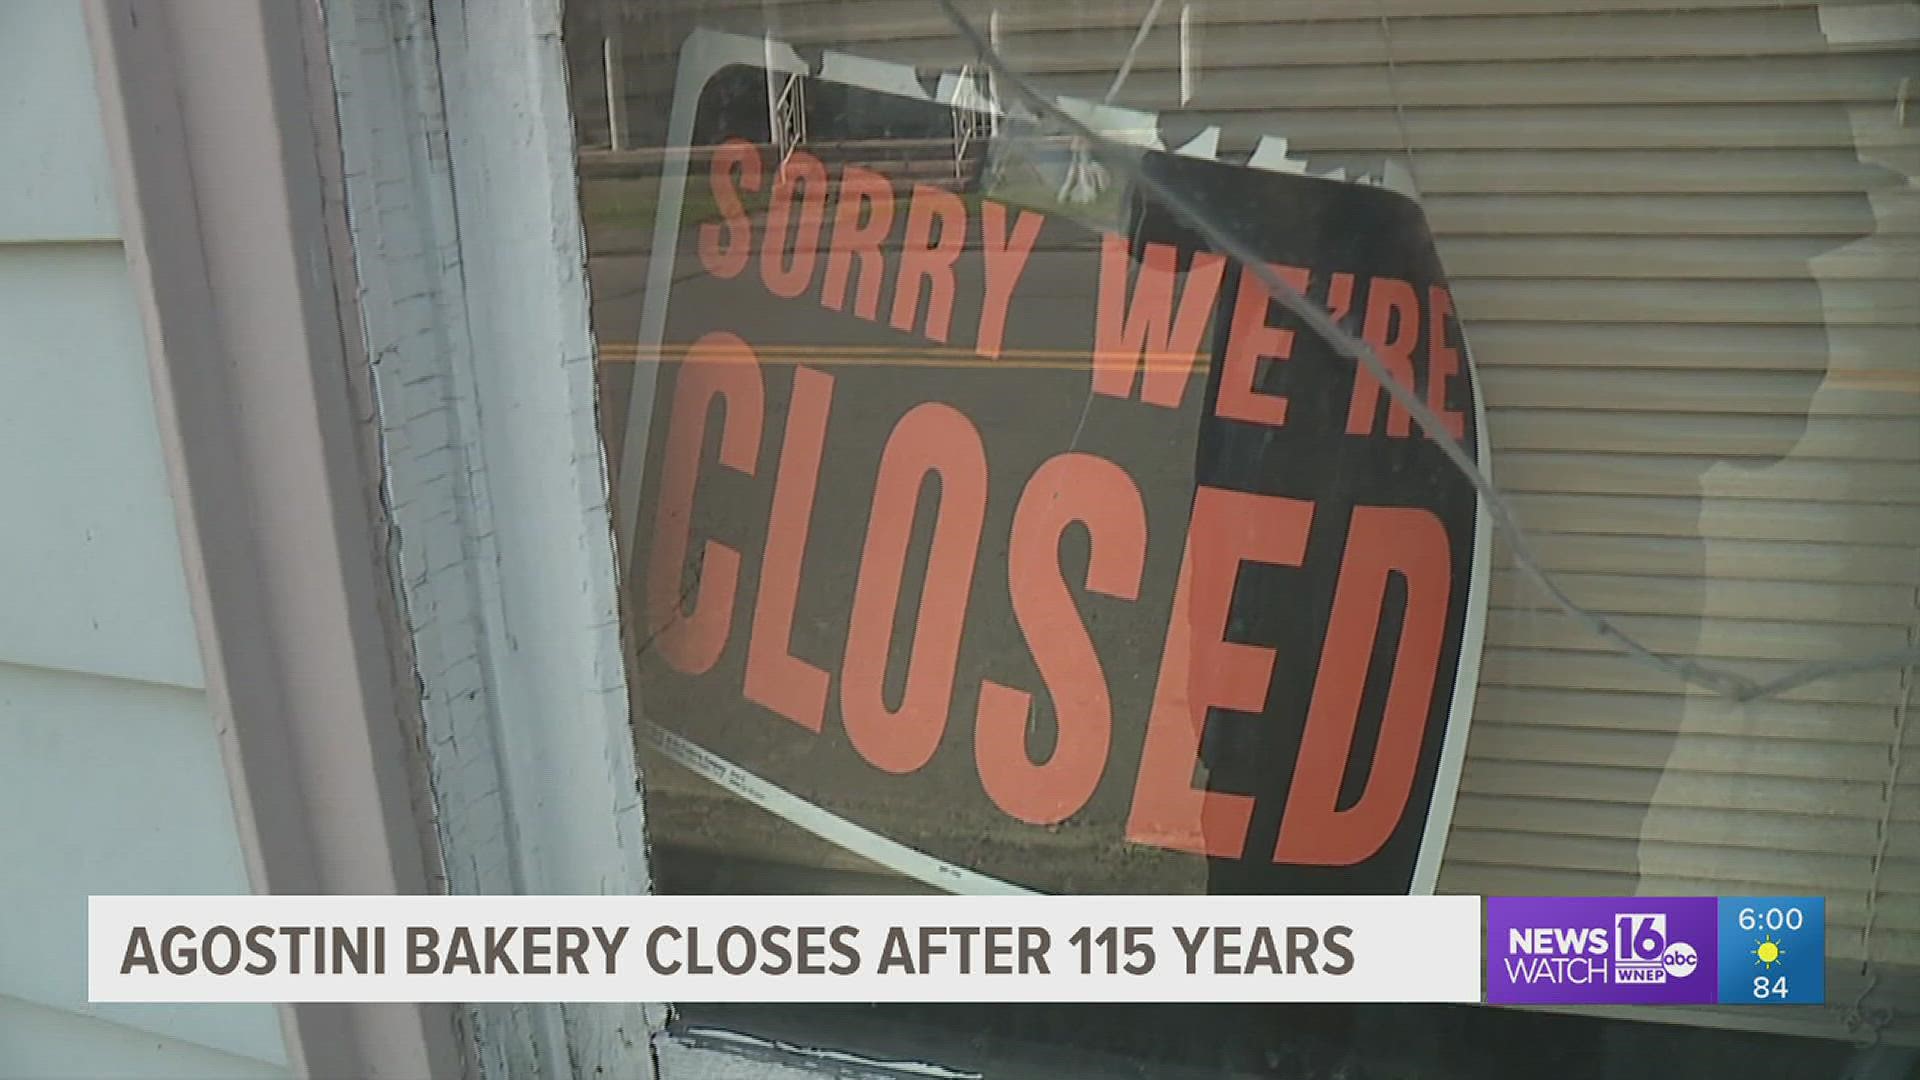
(1498, 950)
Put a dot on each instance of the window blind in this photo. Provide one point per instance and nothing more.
(1685, 241)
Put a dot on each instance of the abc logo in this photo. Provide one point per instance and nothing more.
(1679, 959)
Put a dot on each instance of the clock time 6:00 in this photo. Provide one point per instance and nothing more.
(1772, 918)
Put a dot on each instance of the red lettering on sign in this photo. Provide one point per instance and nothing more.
(924, 257)
(718, 366)
(1152, 320)
(863, 213)
(1005, 256)
(1411, 542)
(775, 677)
(725, 245)
(1443, 360)
(932, 438)
(787, 263)
(1200, 670)
(1392, 327)
(1252, 339)
(861, 222)
(1145, 331)
(1068, 489)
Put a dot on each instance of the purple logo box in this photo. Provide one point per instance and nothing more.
(1630, 950)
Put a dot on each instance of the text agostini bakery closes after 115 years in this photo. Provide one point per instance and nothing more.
(739, 950)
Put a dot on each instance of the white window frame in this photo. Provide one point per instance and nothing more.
(469, 275)
(470, 268)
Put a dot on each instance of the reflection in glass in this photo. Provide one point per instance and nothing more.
(904, 573)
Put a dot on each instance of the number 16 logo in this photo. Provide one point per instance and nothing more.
(1642, 938)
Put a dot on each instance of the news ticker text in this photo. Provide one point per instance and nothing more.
(1526, 950)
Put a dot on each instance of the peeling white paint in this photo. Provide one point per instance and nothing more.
(834, 1059)
(872, 74)
(1204, 145)
(1273, 155)
(509, 598)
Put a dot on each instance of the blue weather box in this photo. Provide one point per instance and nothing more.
(1773, 950)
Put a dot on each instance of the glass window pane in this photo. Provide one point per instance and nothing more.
(987, 525)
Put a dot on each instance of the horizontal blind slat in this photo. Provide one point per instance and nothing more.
(1770, 519)
(1736, 559)
(1767, 719)
(1663, 474)
(1518, 665)
(1730, 435)
(1603, 782)
(1778, 639)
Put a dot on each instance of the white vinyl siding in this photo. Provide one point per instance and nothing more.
(110, 772)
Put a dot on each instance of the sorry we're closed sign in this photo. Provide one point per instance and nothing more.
(1044, 546)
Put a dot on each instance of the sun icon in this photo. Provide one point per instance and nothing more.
(1768, 952)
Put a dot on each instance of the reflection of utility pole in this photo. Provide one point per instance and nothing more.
(993, 78)
(615, 58)
(1126, 63)
(1186, 54)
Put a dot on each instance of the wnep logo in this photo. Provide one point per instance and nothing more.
(1644, 955)
(1600, 951)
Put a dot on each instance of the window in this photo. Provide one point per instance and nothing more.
(985, 527)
